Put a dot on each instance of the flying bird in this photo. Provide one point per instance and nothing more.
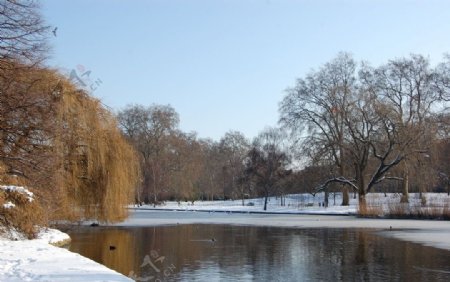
(54, 31)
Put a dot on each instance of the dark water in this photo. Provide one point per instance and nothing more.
(235, 253)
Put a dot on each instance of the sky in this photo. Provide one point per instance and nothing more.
(225, 64)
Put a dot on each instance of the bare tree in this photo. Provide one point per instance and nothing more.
(384, 118)
(27, 105)
(267, 162)
(233, 148)
(23, 32)
(151, 130)
(210, 179)
(315, 111)
(187, 167)
(410, 89)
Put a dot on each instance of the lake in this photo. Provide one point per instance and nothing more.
(240, 253)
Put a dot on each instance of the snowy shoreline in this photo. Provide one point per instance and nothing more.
(40, 260)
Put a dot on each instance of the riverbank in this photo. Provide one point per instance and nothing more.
(424, 206)
(41, 260)
(433, 233)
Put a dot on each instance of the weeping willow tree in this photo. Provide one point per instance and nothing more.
(99, 169)
(65, 147)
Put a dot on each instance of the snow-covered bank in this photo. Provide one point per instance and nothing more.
(305, 204)
(37, 260)
(293, 204)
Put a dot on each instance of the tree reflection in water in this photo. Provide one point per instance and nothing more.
(188, 253)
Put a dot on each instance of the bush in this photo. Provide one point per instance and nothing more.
(19, 211)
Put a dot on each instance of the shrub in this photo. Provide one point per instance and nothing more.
(19, 210)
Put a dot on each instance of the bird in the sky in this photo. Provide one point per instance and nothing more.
(54, 31)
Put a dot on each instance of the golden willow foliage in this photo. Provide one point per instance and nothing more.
(99, 168)
(64, 146)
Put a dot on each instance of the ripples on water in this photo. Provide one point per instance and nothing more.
(238, 253)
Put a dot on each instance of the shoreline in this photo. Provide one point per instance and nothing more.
(433, 233)
(42, 260)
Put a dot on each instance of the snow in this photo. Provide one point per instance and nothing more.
(304, 204)
(52, 236)
(294, 204)
(8, 205)
(37, 260)
(18, 189)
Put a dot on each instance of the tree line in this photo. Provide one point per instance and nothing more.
(347, 127)
(181, 167)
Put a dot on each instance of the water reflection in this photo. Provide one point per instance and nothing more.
(232, 253)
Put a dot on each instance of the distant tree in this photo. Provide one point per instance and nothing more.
(409, 89)
(441, 152)
(210, 180)
(266, 163)
(151, 131)
(316, 109)
(372, 137)
(233, 148)
(188, 166)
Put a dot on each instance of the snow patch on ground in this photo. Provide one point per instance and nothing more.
(18, 189)
(8, 205)
(52, 236)
(304, 204)
(292, 204)
(37, 260)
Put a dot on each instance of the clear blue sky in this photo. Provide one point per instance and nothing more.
(224, 65)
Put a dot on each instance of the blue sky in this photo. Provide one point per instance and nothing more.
(224, 65)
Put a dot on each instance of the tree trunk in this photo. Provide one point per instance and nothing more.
(361, 193)
(405, 185)
(345, 196)
(326, 198)
(154, 188)
(266, 196)
(362, 202)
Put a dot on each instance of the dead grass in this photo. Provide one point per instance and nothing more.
(370, 210)
(419, 211)
(422, 209)
(24, 217)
